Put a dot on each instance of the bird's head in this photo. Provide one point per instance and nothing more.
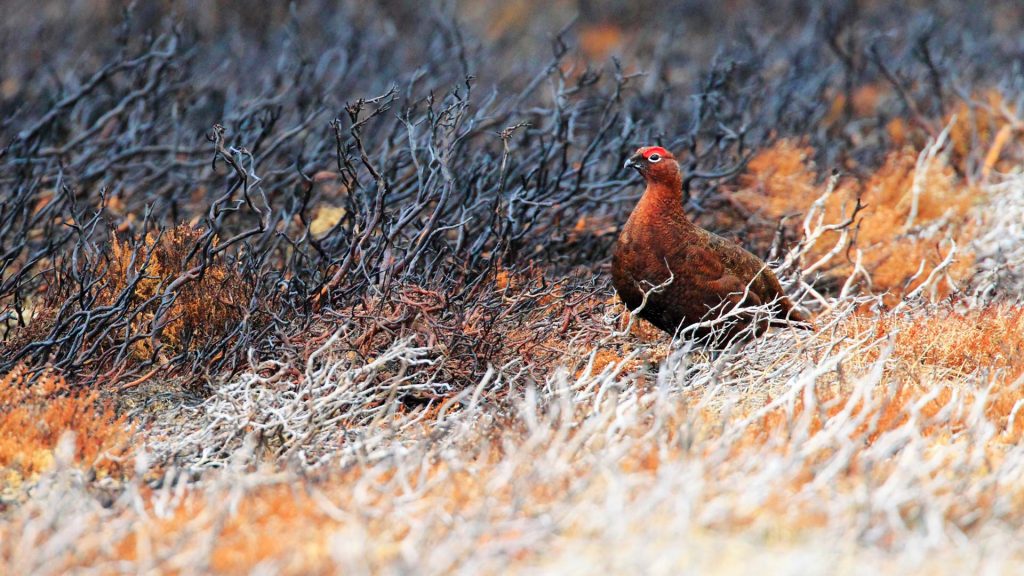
(654, 163)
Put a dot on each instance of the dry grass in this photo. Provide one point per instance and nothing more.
(799, 439)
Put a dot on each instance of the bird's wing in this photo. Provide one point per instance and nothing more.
(714, 279)
(764, 285)
(700, 262)
(748, 268)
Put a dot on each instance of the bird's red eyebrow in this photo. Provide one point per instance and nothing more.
(655, 150)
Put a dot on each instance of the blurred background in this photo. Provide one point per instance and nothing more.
(238, 45)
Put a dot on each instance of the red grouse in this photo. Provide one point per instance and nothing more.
(690, 275)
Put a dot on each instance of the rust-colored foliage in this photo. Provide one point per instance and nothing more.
(984, 128)
(991, 338)
(959, 342)
(267, 523)
(932, 355)
(34, 413)
(782, 180)
(950, 347)
(371, 269)
(204, 308)
(598, 41)
(863, 102)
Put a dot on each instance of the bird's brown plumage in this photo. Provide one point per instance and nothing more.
(710, 274)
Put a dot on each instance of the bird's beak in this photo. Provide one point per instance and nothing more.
(635, 162)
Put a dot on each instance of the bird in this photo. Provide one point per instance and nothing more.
(682, 277)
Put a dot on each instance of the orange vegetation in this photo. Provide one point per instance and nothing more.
(864, 102)
(598, 41)
(984, 126)
(266, 524)
(941, 365)
(34, 413)
(783, 181)
(204, 308)
(960, 342)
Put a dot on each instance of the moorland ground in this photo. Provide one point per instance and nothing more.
(324, 287)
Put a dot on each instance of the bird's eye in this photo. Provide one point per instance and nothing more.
(654, 158)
